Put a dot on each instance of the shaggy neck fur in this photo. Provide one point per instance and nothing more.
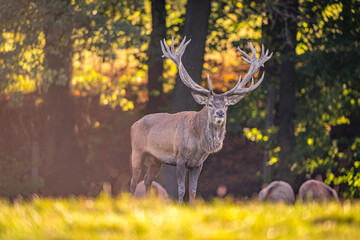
(212, 135)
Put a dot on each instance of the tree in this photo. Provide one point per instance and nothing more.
(282, 20)
(328, 119)
(289, 17)
(43, 37)
(196, 29)
(272, 39)
(155, 61)
(62, 150)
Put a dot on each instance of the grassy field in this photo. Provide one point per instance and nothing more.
(126, 218)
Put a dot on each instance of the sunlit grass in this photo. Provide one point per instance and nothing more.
(126, 218)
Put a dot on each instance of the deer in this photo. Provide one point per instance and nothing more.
(277, 191)
(314, 190)
(159, 191)
(185, 139)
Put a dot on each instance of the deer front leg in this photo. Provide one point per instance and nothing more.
(180, 175)
(193, 180)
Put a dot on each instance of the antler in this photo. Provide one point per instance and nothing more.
(176, 58)
(255, 64)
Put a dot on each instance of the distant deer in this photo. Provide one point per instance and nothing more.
(186, 139)
(159, 191)
(277, 191)
(314, 190)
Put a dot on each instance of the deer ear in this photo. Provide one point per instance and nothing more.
(234, 99)
(199, 98)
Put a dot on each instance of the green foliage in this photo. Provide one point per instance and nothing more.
(347, 171)
(231, 24)
(329, 93)
(327, 96)
(28, 37)
(126, 218)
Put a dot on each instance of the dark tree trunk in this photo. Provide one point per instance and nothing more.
(287, 89)
(271, 40)
(155, 61)
(63, 169)
(269, 122)
(196, 29)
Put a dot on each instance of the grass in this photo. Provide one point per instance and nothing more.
(126, 218)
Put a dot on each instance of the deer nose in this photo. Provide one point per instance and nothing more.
(220, 113)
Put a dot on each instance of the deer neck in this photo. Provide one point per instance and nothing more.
(211, 135)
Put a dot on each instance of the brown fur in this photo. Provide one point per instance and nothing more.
(314, 190)
(278, 191)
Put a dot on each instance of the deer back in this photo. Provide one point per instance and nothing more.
(313, 190)
(278, 191)
(165, 136)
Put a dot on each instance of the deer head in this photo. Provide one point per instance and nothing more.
(217, 104)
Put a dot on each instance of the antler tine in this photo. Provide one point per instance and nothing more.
(165, 52)
(253, 86)
(172, 45)
(252, 49)
(260, 80)
(182, 47)
(243, 53)
(255, 64)
(246, 60)
(209, 83)
(176, 56)
(230, 92)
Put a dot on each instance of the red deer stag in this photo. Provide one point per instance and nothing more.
(186, 139)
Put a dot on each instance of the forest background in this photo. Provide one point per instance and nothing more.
(74, 76)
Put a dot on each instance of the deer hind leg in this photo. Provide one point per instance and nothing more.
(194, 174)
(151, 174)
(137, 167)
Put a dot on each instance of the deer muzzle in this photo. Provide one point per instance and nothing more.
(219, 117)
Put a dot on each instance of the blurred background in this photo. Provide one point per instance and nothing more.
(75, 75)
